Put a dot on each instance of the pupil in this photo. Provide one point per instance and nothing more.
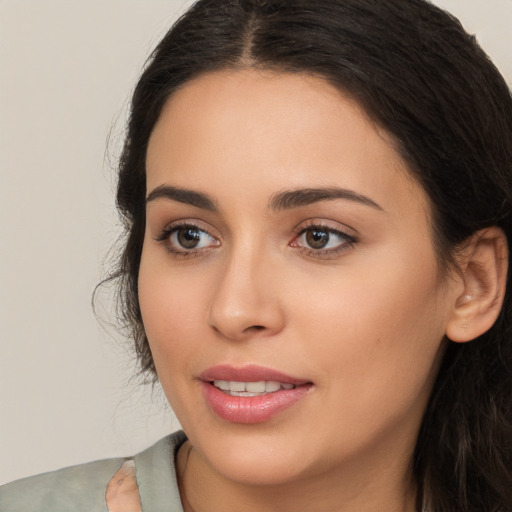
(188, 238)
(317, 239)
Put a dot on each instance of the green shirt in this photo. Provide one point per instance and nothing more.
(82, 488)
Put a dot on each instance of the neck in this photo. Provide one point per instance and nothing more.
(366, 485)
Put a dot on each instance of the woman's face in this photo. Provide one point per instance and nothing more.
(286, 244)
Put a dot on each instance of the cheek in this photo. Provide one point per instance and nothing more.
(376, 334)
(171, 311)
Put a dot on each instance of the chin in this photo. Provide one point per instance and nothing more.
(257, 470)
(261, 457)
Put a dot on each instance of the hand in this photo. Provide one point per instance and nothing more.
(122, 491)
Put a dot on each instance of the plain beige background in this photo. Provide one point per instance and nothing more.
(66, 71)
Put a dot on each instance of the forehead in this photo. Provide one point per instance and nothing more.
(265, 131)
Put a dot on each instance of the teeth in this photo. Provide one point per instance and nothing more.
(271, 386)
(255, 387)
(222, 384)
(237, 386)
(242, 393)
(249, 389)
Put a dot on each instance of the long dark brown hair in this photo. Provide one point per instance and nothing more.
(422, 78)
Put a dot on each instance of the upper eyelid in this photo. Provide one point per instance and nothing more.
(343, 229)
(195, 223)
(166, 231)
(342, 234)
(324, 228)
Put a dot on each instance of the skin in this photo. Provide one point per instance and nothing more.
(122, 493)
(364, 322)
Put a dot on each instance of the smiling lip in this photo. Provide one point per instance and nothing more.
(250, 409)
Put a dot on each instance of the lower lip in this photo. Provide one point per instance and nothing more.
(255, 409)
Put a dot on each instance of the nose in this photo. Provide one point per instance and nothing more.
(246, 300)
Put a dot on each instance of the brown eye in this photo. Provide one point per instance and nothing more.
(323, 241)
(317, 238)
(188, 238)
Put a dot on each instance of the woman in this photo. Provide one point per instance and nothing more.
(318, 199)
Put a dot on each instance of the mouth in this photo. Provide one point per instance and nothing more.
(251, 394)
(251, 389)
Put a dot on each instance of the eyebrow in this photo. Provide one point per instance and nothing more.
(182, 195)
(302, 197)
(284, 200)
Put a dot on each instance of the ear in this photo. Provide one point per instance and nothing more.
(483, 272)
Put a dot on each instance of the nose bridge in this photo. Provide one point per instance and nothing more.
(245, 301)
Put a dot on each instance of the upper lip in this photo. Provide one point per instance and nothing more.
(248, 373)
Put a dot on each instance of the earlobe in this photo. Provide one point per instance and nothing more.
(483, 271)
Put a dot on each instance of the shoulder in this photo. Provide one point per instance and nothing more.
(82, 488)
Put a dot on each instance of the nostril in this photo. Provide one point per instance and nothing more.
(256, 328)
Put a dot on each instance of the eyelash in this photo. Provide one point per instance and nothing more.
(168, 232)
(346, 241)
